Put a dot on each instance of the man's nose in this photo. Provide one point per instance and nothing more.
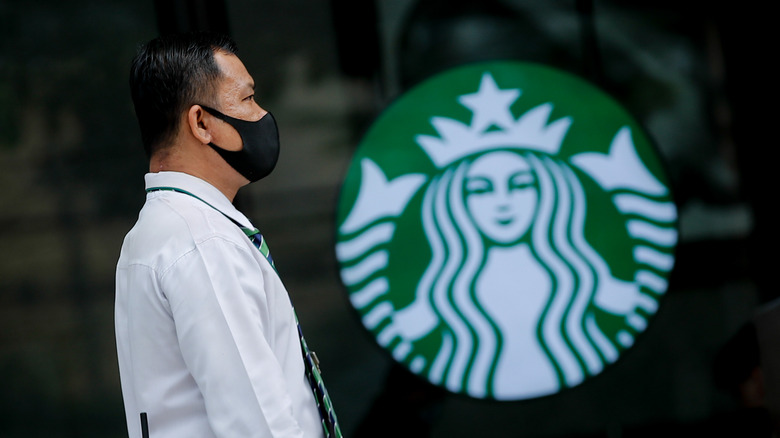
(260, 113)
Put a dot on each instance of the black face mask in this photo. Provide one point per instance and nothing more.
(260, 153)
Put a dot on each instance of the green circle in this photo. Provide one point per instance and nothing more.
(436, 256)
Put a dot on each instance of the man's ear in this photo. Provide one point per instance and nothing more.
(199, 124)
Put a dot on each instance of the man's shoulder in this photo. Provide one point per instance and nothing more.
(170, 226)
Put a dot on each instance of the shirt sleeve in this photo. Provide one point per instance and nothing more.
(224, 322)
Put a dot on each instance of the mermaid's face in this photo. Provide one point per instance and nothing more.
(501, 196)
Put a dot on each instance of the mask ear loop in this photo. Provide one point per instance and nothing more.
(213, 112)
(230, 121)
(227, 119)
(238, 124)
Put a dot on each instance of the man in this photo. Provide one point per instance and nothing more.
(207, 340)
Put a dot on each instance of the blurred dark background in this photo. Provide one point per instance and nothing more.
(72, 165)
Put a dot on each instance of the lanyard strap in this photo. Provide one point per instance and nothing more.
(248, 231)
(251, 233)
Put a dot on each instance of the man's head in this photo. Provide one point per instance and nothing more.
(168, 75)
(195, 102)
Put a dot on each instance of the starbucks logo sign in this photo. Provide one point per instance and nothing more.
(505, 230)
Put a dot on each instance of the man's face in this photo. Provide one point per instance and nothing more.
(235, 98)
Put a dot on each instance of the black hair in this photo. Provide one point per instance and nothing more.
(168, 75)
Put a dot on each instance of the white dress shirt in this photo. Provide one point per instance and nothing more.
(206, 336)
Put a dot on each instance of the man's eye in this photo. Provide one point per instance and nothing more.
(249, 98)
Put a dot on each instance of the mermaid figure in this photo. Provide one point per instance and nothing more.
(513, 288)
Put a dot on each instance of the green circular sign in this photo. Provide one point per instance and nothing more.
(505, 230)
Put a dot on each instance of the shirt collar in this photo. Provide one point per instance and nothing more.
(199, 188)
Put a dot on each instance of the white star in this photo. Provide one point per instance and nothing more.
(490, 104)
